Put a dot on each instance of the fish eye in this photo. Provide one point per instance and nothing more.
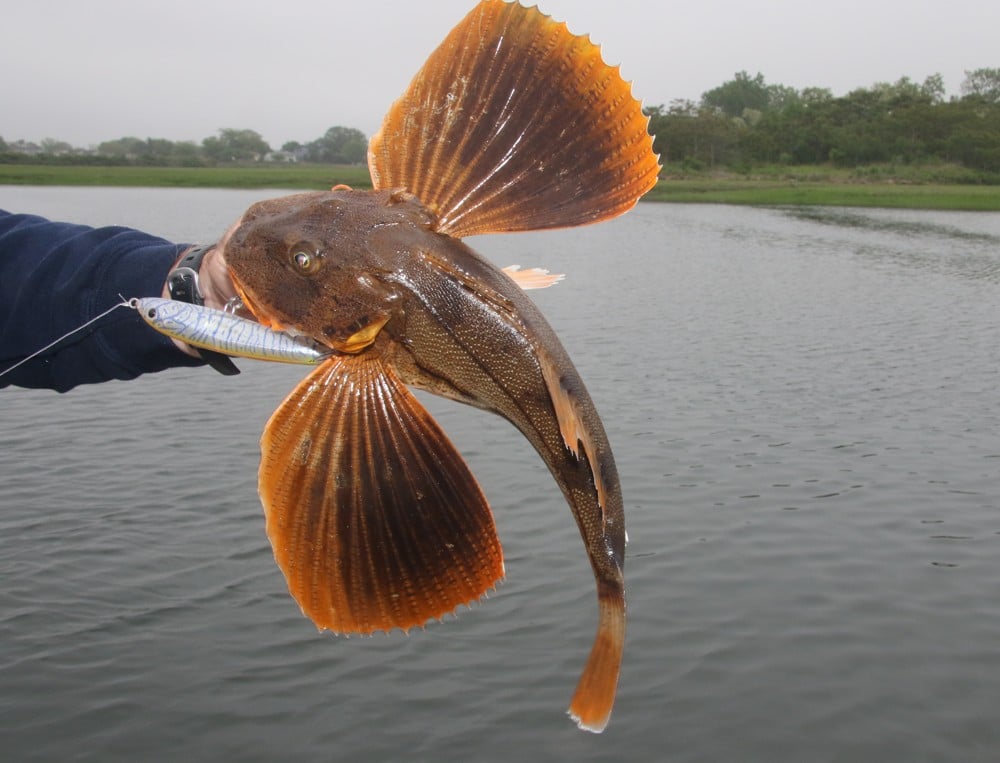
(305, 260)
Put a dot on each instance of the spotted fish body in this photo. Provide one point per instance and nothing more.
(512, 124)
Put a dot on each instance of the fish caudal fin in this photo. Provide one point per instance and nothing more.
(595, 692)
(373, 516)
(514, 124)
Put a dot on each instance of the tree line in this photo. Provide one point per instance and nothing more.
(338, 145)
(746, 122)
(739, 124)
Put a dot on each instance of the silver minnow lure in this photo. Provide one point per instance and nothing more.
(226, 333)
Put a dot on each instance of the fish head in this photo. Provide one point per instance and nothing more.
(312, 262)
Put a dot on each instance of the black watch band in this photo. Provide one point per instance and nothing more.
(182, 283)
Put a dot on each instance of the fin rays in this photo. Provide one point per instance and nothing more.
(595, 692)
(513, 124)
(373, 516)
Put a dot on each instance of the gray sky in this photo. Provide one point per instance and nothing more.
(101, 69)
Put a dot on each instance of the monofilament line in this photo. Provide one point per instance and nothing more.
(67, 335)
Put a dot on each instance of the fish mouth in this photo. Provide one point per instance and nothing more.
(264, 319)
(259, 313)
(355, 343)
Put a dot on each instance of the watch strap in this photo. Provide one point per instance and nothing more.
(182, 284)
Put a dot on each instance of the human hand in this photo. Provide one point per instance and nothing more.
(217, 287)
(214, 283)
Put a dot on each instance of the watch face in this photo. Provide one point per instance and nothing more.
(182, 283)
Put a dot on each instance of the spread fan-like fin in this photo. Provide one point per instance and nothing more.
(373, 516)
(512, 124)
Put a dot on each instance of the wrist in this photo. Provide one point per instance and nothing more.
(185, 280)
(196, 280)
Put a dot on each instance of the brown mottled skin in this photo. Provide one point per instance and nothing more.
(378, 278)
(513, 123)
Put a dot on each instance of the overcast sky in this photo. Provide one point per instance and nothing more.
(101, 69)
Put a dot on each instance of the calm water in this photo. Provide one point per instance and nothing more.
(806, 415)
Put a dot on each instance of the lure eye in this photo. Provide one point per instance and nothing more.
(305, 261)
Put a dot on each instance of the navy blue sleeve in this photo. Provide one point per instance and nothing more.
(54, 277)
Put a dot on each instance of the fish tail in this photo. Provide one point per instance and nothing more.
(595, 692)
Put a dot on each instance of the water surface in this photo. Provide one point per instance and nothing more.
(804, 408)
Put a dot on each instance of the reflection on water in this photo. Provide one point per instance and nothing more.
(965, 244)
(968, 226)
(804, 407)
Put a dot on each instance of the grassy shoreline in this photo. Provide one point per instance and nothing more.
(977, 198)
(804, 186)
(301, 176)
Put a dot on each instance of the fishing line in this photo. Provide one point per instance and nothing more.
(67, 335)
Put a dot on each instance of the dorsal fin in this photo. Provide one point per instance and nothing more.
(514, 124)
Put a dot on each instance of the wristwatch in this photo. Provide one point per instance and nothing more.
(182, 283)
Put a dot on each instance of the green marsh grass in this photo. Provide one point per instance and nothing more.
(771, 193)
(804, 186)
(301, 176)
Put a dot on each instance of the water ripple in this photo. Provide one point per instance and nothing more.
(805, 418)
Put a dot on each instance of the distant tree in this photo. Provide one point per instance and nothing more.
(123, 148)
(291, 146)
(657, 124)
(214, 148)
(152, 151)
(971, 133)
(976, 147)
(339, 145)
(902, 88)
(158, 151)
(905, 91)
(693, 135)
(739, 94)
(983, 84)
(933, 88)
(55, 147)
(22, 146)
(233, 145)
(186, 153)
(812, 96)
(798, 133)
(781, 96)
(3, 145)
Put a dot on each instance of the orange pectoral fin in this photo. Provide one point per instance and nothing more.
(374, 518)
(514, 123)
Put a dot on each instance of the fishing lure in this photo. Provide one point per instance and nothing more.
(224, 332)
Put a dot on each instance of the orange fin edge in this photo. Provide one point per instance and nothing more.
(557, 138)
(595, 692)
(373, 517)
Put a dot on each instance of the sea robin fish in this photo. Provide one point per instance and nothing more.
(512, 124)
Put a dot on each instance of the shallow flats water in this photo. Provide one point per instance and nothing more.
(804, 407)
